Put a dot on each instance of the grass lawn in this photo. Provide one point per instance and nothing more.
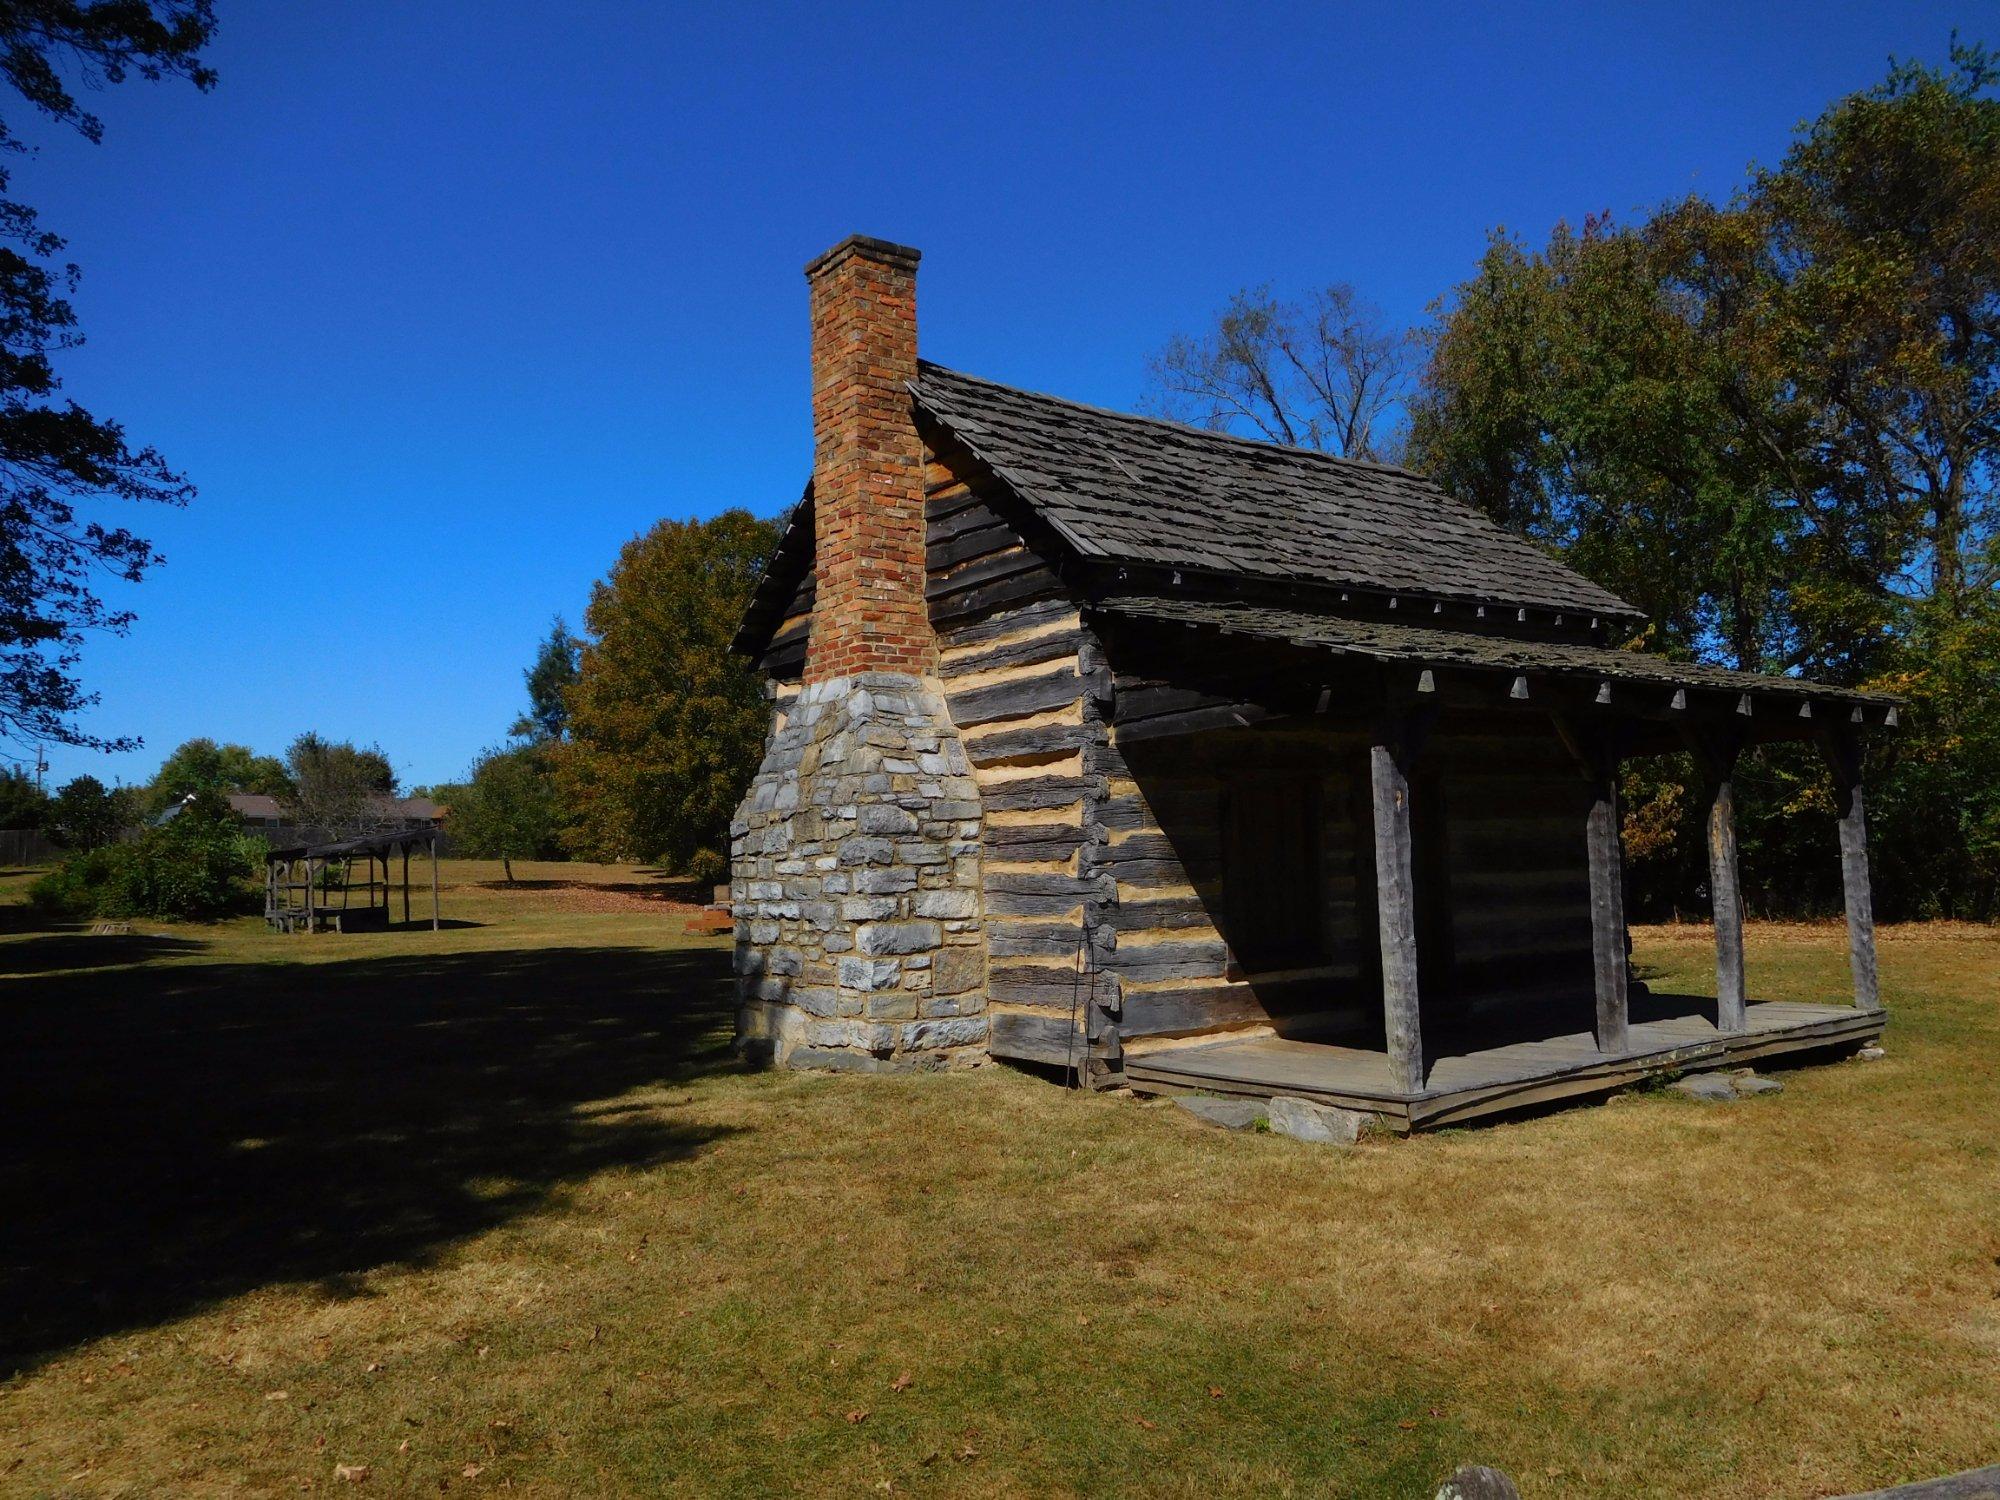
(493, 1207)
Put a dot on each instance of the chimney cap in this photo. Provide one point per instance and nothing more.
(868, 247)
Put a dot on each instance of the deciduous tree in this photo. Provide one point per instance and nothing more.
(202, 765)
(335, 787)
(666, 726)
(1774, 424)
(1320, 372)
(57, 459)
(507, 809)
(86, 814)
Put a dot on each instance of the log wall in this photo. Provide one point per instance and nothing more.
(1024, 682)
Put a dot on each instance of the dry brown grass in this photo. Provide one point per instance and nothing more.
(500, 1211)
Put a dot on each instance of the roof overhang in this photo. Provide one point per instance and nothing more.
(1529, 671)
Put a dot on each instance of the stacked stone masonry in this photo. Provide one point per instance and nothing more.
(856, 878)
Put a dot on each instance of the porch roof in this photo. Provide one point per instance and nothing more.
(1422, 645)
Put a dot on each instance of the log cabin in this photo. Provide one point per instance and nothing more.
(1175, 760)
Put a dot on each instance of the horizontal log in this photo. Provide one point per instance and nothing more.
(1189, 721)
(1203, 844)
(1054, 646)
(1036, 986)
(1022, 744)
(1015, 699)
(945, 519)
(1033, 1038)
(1005, 623)
(1195, 1008)
(968, 546)
(1021, 588)
(1165, 808)
(1145, 915)
(1046, 940)
(1039, 793)
(1032, 843)
(1141, 873)
(986, 570)
(1170, 960)
(1000, 882)
(1145, 699)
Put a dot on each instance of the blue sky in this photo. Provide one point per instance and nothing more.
(440, 303)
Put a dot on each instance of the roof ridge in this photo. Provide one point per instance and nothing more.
(1207, 434)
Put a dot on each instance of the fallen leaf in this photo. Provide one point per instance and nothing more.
(277, 1395)
(1407, 1424)
(473, 1471)
(404, 1446)
(352, 1473)
(374, 1365)
(1149, 1426)
(857, 1416)
(901, 1382)
(1215, 1393)
(483, 1348)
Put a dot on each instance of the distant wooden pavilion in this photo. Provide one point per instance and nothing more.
(298, 896)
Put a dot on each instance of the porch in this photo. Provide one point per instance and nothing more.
(1666, 1034)
(1478, 960)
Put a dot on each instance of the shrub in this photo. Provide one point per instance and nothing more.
(708, 867)
(198, 865)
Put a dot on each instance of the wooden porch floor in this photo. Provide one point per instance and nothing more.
(1490, 1080)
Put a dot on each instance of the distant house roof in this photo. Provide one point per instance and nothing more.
(1135, 490)
(259, 808)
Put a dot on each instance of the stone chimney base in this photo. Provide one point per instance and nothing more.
(855, 874)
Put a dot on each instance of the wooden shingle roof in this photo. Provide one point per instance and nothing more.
(1123, 489)
(1430, 646)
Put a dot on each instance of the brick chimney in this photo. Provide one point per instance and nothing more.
(868, 465)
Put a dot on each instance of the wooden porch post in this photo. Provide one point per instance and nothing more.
(1715, 755)
(1395, 900)
(1842, 750)
(1726, 897)
(1607, 908)
(1595, 749)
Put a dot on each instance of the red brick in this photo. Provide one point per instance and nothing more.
(868, 466)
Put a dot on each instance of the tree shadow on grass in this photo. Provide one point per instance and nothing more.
(185, 1132)
(85, 950)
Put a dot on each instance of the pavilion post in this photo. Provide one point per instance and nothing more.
(406, 885)
(1843, 755)
(434, 883)
(1395, 899)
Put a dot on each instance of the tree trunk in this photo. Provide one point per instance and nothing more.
(507, 864)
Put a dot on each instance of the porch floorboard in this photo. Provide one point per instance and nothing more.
(1489, 1080)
